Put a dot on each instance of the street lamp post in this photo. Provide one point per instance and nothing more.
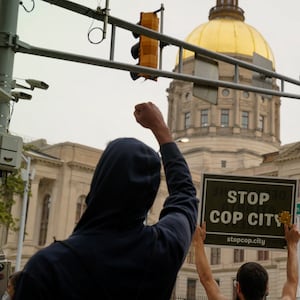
(26, 179)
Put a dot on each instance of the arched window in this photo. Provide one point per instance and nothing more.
(80, 208)
(44, 220)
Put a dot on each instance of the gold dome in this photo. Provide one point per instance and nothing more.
(227, 33)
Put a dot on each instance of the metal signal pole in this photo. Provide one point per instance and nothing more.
(8, 29)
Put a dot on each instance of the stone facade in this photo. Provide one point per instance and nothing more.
(62, 176)
(64, 172)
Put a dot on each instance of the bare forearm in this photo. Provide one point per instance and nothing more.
(203, 268)
(291, 284)
(205, 274)
(292, 264)
(290, 287)
(202, 265)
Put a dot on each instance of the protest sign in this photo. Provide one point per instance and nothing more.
(242, 211)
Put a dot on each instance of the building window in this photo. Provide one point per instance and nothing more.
(204, 117)
(225, 92)
(80, 208)
(190, 258)
(187, 120)
(187, 96)
(261, 123)
(262, 255)
(245, 119)
(215, 256)
(246, 94)
(191, 289)
(44, 220)
(224, 117)
(238, 255)
(223, 163)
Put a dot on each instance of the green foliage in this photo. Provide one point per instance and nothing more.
(11, 185)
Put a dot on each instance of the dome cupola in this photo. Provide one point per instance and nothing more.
(241, 126)
(227, 33)
(226, 9)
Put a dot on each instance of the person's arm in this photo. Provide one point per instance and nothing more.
(203, 268)
(177, 220)
(292, 236)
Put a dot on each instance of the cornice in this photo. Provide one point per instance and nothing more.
(80, 166)
(289, 152)
(209, 150)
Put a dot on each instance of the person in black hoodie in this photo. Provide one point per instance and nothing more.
(112, 253)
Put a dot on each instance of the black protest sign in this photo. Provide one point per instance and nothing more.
(242, 211)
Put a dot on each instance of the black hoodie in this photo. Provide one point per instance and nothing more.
(112, 253)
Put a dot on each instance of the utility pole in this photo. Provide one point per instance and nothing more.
(10, 146)
(8, 30)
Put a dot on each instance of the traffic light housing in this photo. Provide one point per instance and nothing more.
(146, 50)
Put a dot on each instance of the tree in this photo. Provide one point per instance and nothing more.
(10, 186)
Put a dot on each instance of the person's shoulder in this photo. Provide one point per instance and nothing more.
(47, 254)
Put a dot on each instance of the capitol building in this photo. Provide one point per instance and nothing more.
(240, 135)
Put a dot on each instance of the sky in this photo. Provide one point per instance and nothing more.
(92, 105)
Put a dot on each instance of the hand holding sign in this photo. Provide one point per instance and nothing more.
(285, 217)
(242, 211)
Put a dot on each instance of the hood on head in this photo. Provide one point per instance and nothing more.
(124, 185)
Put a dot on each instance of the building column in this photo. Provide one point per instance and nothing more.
(272, 117)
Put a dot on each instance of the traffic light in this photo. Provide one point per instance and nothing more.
(146, 50)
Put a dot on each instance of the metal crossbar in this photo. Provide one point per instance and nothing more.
(102, 15)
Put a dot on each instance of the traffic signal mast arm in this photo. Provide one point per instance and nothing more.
(164, 40)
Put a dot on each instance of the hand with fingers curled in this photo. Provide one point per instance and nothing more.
(149, 116)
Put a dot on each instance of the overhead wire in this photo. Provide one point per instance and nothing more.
(26, 9)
